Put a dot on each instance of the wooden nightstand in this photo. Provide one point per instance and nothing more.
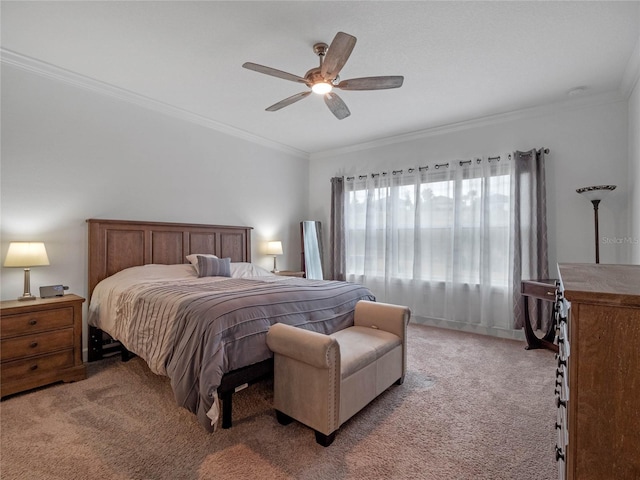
(40, 342)
(290, 273)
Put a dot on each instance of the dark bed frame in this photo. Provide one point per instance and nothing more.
(118, 244)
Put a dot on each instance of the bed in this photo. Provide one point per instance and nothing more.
(211, 336)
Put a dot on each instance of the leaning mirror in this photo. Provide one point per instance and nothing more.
(312, 249)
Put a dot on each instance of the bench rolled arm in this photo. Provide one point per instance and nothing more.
(313, 348)
(384, 316)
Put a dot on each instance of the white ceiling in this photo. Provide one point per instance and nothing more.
(460, 60)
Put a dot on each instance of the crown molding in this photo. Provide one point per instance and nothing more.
(524, 113)
(631, 72)
(44, 69)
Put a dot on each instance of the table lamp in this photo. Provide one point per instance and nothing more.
(26, 255)
(275, 249)
(595, 194)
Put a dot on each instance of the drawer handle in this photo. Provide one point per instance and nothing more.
(33, 367)
(33, 322)
(560, 402)
(33, 344)
(559, 454)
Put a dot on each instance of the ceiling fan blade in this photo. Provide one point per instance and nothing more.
(287, 101)
(273, 72)
(337, 55)
(371, 83)
(336, 105)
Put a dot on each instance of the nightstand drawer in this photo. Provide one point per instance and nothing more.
(26, 323)
(20, 369)
(29, 345)
(542, 289)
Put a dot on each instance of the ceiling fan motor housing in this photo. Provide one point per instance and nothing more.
(314, 76)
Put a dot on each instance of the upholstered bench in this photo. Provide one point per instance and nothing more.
(323, 380)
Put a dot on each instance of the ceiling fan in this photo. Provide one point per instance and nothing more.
(323, 79)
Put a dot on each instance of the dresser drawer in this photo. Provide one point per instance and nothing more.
(26, 323)
(19, 369)
(37, 344)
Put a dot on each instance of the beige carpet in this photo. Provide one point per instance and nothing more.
(471, 407)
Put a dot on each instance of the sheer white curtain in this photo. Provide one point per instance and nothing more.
(437, 239)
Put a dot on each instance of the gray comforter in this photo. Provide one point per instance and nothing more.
(222, 327)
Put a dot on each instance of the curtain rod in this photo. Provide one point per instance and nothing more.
(445, 165)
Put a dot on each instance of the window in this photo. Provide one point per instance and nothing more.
(450, 225)
(452, 241)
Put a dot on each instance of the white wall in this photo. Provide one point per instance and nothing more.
(69, 154)
(634, 173)
(588, 143)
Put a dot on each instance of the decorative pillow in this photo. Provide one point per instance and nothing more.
(246, 269)
(213, 267)
(193, 258)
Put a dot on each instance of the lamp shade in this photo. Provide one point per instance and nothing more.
(274, 248)
(597, 192)
(26, 254)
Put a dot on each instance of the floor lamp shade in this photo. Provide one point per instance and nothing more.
(595, 194)
(26, 255)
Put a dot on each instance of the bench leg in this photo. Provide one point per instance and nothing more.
(283, 418)
(325, 440)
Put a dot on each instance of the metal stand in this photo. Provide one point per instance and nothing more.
(595, 216)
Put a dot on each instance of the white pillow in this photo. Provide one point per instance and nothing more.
(193, 259)
(245, 269)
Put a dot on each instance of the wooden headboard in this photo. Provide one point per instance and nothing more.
(118, 244)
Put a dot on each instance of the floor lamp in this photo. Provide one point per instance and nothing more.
(595, 194)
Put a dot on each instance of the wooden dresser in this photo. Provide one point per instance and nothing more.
(598, 394)
(41, 342)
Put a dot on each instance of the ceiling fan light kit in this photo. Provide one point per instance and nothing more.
(321, 88)
(324, 78)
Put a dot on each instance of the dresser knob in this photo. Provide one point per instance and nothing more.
(33, 344)
(33, 367)
(32, 322)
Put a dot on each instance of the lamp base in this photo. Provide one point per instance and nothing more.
(27, 286)
(27, 297)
